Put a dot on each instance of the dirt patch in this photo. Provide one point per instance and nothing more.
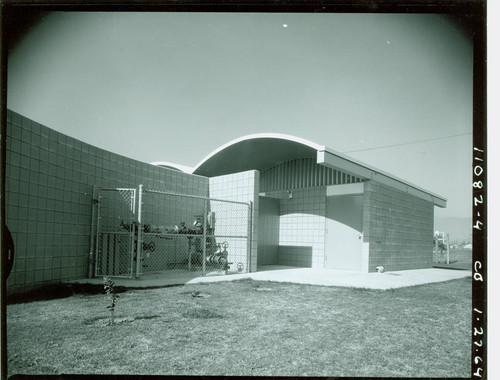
(104, 321)
(56, 291)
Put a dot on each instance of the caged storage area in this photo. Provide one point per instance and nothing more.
(140, 232)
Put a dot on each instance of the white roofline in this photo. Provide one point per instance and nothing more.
(171, 165)
(260, 136)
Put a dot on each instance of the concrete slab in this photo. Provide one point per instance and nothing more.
(322, 277)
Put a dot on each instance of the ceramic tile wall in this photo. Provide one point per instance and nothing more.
(49, 178)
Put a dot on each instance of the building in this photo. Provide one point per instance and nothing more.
(319, 208)
(310, 206)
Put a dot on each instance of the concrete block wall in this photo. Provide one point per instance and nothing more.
(302, 227)
(49, 178)
(398, 228)
(239, 187)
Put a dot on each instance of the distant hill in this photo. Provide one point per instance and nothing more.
(460, 229)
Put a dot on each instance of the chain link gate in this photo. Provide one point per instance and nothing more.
(182, 234)
(116, 232)
(170, 233)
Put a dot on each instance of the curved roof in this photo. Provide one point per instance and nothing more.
(255, 152)
(264, 150)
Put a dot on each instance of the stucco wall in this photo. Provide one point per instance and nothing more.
(398, 228)
(49, 178)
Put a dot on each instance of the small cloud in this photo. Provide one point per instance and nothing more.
(388, 42)
(285, 25)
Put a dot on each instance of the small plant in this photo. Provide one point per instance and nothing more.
(109, 287)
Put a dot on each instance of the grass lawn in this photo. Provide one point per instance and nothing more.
(248, 327)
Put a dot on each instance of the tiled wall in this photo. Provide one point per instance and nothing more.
(302, 227)
(49, 178)
(398, 228)
(239, 187)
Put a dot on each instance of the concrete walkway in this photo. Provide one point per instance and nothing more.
(323, 277)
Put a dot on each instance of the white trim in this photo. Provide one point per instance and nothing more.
(345, 189)
(256, 136)
(171, 165)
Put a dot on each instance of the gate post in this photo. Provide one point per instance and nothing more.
(205, 237)
(138, 246)
(249, 236)
(94, 200)
(98, 227)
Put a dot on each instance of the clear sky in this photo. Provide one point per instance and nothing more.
(175, 86)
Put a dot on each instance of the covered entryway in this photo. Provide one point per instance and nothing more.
(344, 227)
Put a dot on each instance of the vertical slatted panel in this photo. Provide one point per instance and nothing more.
(300, 174)
(315, 173)
(305, 173)
(289, 174)
(311, 173)
(275, 179)
(280, 177)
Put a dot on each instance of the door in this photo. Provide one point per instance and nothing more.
(344, 232)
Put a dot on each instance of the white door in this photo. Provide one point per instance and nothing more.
(344, 232)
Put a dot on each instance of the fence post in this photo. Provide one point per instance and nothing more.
(94, 201)
(204, 237)
(249, 236)
(98, 228)
(447, 248)
(138, 247)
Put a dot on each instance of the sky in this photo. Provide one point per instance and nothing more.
(391, 90)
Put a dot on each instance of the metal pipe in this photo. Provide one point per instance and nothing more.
(192, 196)
(94, 200)
(204, 237)
(98, 226)
(447, 248)
(249, 236)
(138, 257)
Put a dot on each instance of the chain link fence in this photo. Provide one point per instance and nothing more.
(170, 233)
(195, 234)
(116, 231)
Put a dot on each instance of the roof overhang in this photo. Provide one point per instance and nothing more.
(336, 160)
